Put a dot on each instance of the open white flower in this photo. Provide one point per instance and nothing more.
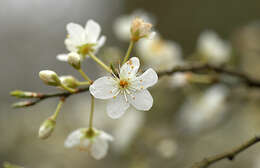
(125, 89)
(212, 48)
(83, 40)
(123, 23)
(205, 112)
(94, 141)
(160, 54)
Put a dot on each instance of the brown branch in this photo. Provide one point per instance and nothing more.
(227, 155)
(220, 70)
(194, 68)
(42, 97)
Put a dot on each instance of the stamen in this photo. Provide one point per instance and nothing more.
(125, 97)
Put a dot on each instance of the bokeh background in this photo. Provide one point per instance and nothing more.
(32, 34)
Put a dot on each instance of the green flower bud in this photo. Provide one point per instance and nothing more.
(24, 94)
(22, 104)
(47, 128)
(74, 60)
(69, 81)
(50, 78)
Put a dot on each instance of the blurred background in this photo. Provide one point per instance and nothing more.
(176, 132)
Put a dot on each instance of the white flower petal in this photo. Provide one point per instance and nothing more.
(92, 31)
(74, 138)
(130, 68)
(71, 45)
(141, 100)
(104, 88)
(85, 143)
(100, 43)
(106, 136)
(122, 27)
(62, 57)
(147, 79)
(99, 148)
(152, 35)
(75, 31)
(117, 106)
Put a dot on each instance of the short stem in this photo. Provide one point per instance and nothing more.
(56, 113)
(129, 50)
(68, 89)
(84, 75)
(200, 78)
(91, 112)
(101, 63)
(83, 83)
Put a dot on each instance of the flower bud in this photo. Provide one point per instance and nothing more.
(24, 94)
(69, 81)
(47, 128)
(140, 29)
(74, 60)
(23, 104)
(50, 77)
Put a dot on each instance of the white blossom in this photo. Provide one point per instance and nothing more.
(74, 60)
(180, 79)
(141, 29)
(206, 111)
(167, 148)
(96, 143)
(49, 77)
(125, 89)
(46, 128)
(69, 81)
(215, 50)
(160, 54)
(122, 25)
(125, 124)
(83, 40)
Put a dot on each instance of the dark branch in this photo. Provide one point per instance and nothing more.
(227, 155)
(42, 97)
(206, 67)
(194, 68)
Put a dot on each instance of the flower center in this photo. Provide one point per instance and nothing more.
(123, 84)
(157, 46)
(85, 49)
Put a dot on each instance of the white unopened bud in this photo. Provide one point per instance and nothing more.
(74, 60)
(47, 128)
(69, 81)
(50, 77)
(140, 29)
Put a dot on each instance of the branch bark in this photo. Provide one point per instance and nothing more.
(194, 68)
(205, 163)
(220, 70)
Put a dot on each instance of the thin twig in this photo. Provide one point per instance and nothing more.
(194, 68)
(220, 70)
(53, 95)
(227, 155)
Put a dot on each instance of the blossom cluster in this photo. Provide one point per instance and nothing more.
(127, 86)
(122, 87)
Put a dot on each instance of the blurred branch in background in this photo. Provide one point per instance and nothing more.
(194, 68)
(221, 70)
(227, 155)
